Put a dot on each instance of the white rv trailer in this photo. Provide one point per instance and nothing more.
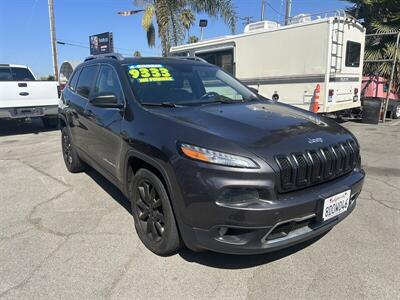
(287, 62)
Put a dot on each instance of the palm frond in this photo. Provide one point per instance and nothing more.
(217, 8)
(151, 35)
(147, 19)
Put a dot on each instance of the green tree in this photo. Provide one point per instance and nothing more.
(167, 13)
(137, 54)
(187, 18)
(380, 16)
(193, 39)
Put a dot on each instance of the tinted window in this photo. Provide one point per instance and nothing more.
(353, 53)
(108, 83)
(5, 74)
(15, 74)
(222, 59)
(73, 80)
(85, 81)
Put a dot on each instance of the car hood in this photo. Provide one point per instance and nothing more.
(261, 127)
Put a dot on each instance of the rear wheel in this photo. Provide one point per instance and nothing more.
(50, 122)
(153, 215)
(71, 159)
(396, 112)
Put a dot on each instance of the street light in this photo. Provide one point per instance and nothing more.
(203, 24)
(127, 13)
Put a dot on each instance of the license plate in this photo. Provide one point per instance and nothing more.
(29, 111)
(336, 205)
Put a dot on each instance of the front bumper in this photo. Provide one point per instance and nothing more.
(28, 112)
(286, 220)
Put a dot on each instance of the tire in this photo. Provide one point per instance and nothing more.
(153, 215)
(396, 112)
(71, 159)
(50, 122)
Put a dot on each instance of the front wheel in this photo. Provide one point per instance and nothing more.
(154, 219)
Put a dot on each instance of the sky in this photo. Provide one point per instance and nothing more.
(25, 37)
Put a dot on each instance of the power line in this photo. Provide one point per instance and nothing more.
(83, 45)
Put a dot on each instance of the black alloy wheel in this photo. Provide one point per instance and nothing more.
(150, 210)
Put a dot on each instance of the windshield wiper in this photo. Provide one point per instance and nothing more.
(162, 104)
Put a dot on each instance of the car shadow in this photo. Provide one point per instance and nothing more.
(207, 258)
(229, 261)
(12, 127)
(109, 188)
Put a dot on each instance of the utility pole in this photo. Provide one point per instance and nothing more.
(262, 9)
(53, 38)
(288, 11)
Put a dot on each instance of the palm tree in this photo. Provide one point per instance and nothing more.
(166, 14)
(187, 18)
(380, 16)
(193, 39)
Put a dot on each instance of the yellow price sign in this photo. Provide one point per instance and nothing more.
(150, 73)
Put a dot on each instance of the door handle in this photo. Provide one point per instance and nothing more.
(24, 94)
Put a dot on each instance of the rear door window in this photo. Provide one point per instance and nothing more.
(5, 74)
(73, 80)
(21, 74)
(353, 54)
(85, 81)
(15, 74)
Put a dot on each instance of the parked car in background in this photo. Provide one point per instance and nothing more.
(376, 88)
(22, 97)
(233, 173)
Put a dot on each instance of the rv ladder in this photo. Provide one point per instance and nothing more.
(337, 45)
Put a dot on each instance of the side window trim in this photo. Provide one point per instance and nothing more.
(76, 74)
(92, 83)
(116, 75)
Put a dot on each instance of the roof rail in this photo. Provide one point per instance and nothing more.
(195, 58)
(116, 56)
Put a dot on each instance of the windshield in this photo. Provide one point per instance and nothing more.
(184, 84)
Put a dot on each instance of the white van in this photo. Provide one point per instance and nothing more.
(287, 62)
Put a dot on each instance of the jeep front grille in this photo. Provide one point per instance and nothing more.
(300, 170)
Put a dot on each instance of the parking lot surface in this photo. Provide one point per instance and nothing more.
(71, 236)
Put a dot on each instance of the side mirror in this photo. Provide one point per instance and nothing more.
(106, 101)
(254, 90)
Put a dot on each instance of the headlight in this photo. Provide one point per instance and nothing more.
(216, 157)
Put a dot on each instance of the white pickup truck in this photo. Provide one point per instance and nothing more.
(22, 97)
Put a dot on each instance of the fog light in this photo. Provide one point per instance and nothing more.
(241, 199)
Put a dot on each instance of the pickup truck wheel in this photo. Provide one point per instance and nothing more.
(153, 215)
(50, 122)
(71, 159)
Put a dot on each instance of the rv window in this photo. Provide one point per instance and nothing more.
(222, 59)
(353, 54)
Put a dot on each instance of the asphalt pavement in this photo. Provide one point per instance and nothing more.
(71, 236)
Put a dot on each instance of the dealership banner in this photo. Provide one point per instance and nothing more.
(101, 43)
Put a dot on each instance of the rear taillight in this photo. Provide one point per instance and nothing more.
(331, 93)
(356, 91)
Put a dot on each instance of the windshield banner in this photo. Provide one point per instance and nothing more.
(150, 73)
